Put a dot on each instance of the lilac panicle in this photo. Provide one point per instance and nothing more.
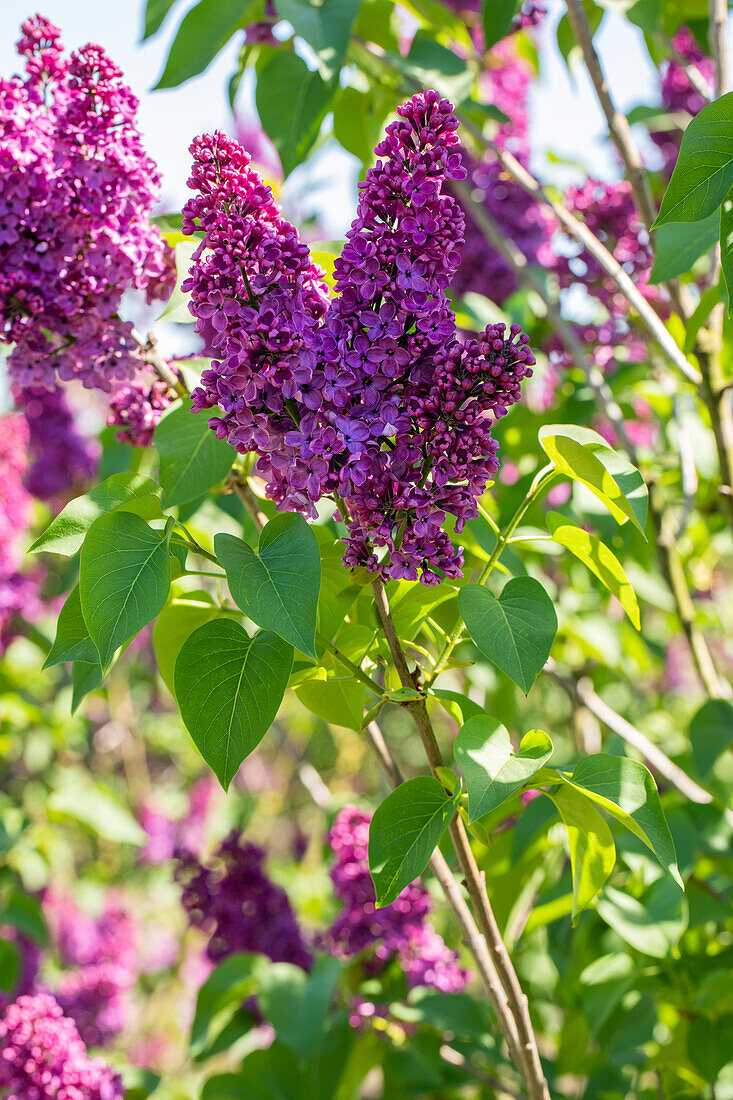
(238, 906)
(42, 1056)
(76, 192)
(18, 592)
(62, 459)
(136, 408)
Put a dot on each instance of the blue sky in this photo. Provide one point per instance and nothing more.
(565, 117)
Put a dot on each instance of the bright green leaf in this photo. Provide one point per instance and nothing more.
(326, 27)
(292, 102)
(278, 586)
(653, 927)
(120, 491)
(124, 578)
(516, 630)
(97, 809)
(679, 244)
(229, 688)
(601, 561)
(592, 851)
(176, 622)
(86, 676)
(205, 29)
(404, 832)
(192, 459)
(626, 790)
(222, 993)
(498, 16)
(430, 65)
(155, 13)
(296, 1003)
(583, 455)
(711, 733)
(460, 707)
(72, 642)
(176, 308)
(703, 174)
(710, 1045)
(492, 770)
(726, 247)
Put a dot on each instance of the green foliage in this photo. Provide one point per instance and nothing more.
(601, 561)
(677, 245)
(155, 13)
(296, 1003)
(514, 630)
(124, 579)
(120, 492)
(711, 733)
(592, 851)
(72, 642)
(492, 770)
(703, 174)
(277, 586)
(326, 27)
(205, 30)
(192, 459)
(292, 118)
(404, 832)
(229, 688)
(497, 18)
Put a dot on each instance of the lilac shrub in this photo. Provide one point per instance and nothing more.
(42, 1056)
(76, 192)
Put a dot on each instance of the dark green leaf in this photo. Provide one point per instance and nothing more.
(704, 171)
(460, 707)
(278, 586)
(124, 578)
(9, 966)
(296, 1003)
(326, 27)
(205, 30)
(726, 246)
(625, 789)
(72, 642)
(515, 631)
(404, 832)
(120, 491)
(24, 912)
(86, 676)
(710, 1045)
(155, 13)
(337, 696)
(592, 851)
(678, 244)
(711, 733)
(430, 65)
(492, 770)
(497, 18)
(292, 102)
(583, 455)
(222, 993)
(229, 688)
(192, 459)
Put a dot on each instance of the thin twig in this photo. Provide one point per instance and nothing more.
(149, 352)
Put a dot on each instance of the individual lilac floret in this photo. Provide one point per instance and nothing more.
(42, 1056)
(62, 459)
(252, 282)
(239, 907)
(136, 408)
(404, 424)
(104, 957)
(397, 930)
(76, 193)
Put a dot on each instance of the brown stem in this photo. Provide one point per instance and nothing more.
(149, 352)
(529, 1059)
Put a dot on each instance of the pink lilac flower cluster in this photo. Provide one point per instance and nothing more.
(136, 408)
(101, 958)
(531, 12)
(165, 835)
(679, 95)
(18, 592)
(238, 906)
(42, 1056)
(399, 930)
(62, 459)
(76, 192)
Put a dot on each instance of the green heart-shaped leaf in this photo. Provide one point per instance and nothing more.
(72, 641)
(229, 688)
(278, 586)
(192, 459)
(516, 630)
(493, 771)
(131, 492)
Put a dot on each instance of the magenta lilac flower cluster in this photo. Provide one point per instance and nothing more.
(679, 95)
(252, 282)
(101, 960)
(18, 592)
(375, 402)
(399, 930)
(62, 459)
(235, 903)
(136, 408)
(42, 1056)
(76, 192)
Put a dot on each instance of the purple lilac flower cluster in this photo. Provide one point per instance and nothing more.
(62, 459)
(166, 835)
(18, 592)
(136, 408)
(42, 1056)
(238, 906)
(76, 192)
(102, 958)
(679, 95)
(375, 401)
(399, 930)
